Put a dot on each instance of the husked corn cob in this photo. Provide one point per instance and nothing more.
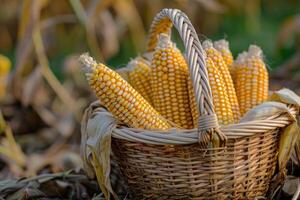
(220, 98)
(252, 81)
(218, 61)
(4, 71)
(223, 47)
(124, 102)
(139, 77)
(169, 83)
(165, 27)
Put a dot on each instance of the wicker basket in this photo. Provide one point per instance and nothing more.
(240, 169)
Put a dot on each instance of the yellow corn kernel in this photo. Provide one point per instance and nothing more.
(221, 101)
(4, 71)
(169, 83)
(252, 79)
(139, 77)
(218, 61)
(119, 97)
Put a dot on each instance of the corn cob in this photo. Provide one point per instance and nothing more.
(220, 98)
(4, 71)
(218, 61)
(251, 79)
(169, 83)
(124, 102)
(139, 77)
(223, 47)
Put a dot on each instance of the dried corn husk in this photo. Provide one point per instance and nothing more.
(287, 143)
(286, 96)
(265, 110)
(96, 146)
(290, 139)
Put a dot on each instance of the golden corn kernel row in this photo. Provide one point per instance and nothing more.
(169, 83)
(119, 97)
(218, 61)
(139, 71)
(252, 81)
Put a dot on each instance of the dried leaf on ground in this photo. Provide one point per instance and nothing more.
(65, 185)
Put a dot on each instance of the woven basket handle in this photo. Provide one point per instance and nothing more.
(195, 56)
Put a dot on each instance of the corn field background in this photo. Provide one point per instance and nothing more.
(46, 93)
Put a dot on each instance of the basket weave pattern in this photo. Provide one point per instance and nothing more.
(241, 170)
(178, 164)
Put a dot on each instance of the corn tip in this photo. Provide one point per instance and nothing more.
(241, 57)
(88, 62)
(207, 44)
(255, 51)
(142, 60)
(132, 64)
(221, 44)
(164, 41)
(148, 56)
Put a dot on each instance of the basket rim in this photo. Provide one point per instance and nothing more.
(177, 136)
